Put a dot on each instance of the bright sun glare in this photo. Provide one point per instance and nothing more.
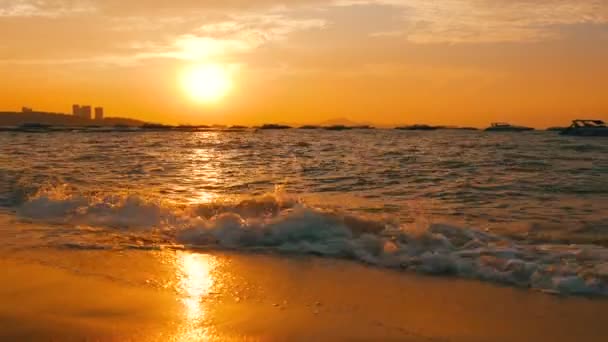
(207, 83)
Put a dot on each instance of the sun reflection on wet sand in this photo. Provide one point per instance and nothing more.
(196, 280)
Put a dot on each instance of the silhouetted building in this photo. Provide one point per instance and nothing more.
(76, 110)
(27, 110)
(85, 112)
(99, 113)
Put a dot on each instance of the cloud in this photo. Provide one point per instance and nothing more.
(189, 39)
(221, 39)
(44, 8)
(488, 21)
(127, 32)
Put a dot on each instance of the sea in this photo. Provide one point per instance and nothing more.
(527, 210)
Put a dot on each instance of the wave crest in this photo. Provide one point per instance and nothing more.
(283, 225)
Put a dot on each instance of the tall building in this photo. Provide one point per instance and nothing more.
(99, 113)
(85, 112)
(76, 110)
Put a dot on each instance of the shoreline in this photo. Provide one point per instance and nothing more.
(185, 296)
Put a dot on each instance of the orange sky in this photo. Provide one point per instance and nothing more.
(455, 62)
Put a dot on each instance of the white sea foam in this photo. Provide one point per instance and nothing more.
(272, 223)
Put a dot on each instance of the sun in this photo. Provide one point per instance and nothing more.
(207, 83)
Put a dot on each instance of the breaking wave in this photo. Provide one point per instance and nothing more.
(279, 224)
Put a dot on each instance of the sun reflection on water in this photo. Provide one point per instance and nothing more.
(196, 280)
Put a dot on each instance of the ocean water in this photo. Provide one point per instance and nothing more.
(522, 209)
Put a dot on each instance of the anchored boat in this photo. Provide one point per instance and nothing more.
(505, 127)
(587, 128)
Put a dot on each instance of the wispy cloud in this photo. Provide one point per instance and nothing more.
(44, 8)
(190, 31)
(212, 40)
(236, 35)
(488, 21)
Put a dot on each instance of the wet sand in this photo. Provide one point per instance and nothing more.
(183, 296)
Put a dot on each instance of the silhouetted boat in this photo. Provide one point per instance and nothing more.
(35, 126)
(274, 126)
(587, 128)
(157, 127)
(338, 128)
(418, 128)
(505, 127)
(310, 127)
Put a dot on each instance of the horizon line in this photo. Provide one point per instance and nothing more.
(353, 123)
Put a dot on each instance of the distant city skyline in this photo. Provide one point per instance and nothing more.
(388, 62)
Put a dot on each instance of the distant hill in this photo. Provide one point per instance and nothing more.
(59, 119)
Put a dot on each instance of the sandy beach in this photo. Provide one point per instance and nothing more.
(183, 296)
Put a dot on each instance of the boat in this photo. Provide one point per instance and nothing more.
(310, 127)
(506, 127)
(587, 128)
(274, 127)
(156, 127)
(338, 128)
(34, 128)
(418, 127)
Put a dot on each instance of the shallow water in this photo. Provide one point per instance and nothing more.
(523, 209)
